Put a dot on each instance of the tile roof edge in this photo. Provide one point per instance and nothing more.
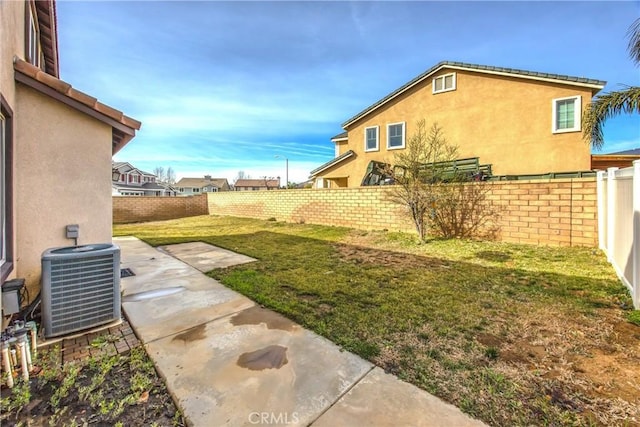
(64, 88)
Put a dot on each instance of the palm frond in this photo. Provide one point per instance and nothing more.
(605, 106)
(634, 41)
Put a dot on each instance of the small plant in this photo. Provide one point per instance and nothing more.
(70, 372)
(634, 317)
(491, 353)
(18, 399)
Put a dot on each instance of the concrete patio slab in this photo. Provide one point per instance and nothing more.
(205, 257)
(229, 362)
(161, 316)
(380, 399)
(253, 366)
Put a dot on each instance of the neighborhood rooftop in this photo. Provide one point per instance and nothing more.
(560, 78)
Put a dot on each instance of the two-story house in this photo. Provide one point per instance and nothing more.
(256, 184)
(519, 122)
(56, 145)
(191, 186)
(131, 181)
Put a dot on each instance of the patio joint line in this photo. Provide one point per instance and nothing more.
(355, 383)
(203, 323)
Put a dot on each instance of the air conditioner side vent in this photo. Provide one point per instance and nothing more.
(80, 288)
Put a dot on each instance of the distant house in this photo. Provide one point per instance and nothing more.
(190, 186)
(56, 146)
(517, 121)
(256, 184)
(135, 182)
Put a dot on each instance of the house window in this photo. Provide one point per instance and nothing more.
(34, 50)
(566, 114)
(6, 205)
(196, 190)
(395, 136)
(371, 138)
(444, 83)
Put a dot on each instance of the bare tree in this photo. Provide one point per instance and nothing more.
(439, 198)
(416, 182)
(170, 177)
(158, 171)
(241, 175)
(464, 209)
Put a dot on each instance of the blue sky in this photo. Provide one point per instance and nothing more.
(225, 86)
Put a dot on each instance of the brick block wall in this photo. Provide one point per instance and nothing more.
(561, 212)
(147, 208)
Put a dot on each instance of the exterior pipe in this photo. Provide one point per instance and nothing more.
(6, 363)
(33, 332)
(24, 364)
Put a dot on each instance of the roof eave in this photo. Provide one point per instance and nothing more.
(331, 163)
(123, 127)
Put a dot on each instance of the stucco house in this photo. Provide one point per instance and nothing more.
(519, 122)
(191, 186)
(256, 184)
(51, 135)
(131, 181)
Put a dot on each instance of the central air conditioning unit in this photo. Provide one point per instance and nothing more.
(80, 288)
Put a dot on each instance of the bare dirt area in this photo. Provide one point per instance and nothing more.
(109, 390)
(556, 359)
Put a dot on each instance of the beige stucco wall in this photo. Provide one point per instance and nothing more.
(505, 121)
(64, 177)
(12, 44)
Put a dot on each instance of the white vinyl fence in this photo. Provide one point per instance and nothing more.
(619, 223)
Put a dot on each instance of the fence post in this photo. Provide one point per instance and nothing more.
(602, 213)
(611, 210)
(635, 246)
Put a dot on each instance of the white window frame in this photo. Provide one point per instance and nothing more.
(35, 49)
(404, 136)
(443, 78)
(377, 148)
(577, 114)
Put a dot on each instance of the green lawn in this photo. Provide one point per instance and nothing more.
(511, 334)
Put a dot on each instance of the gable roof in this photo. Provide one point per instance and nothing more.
(123, 127)
(332, 162)
(124, 167)
(595, 85)
(267, 183)
(202, 182)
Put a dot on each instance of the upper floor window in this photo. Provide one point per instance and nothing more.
(34, 49)
(395, 136)
(444, 83)
(371, 138)
(196, 190)
(566, 114)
